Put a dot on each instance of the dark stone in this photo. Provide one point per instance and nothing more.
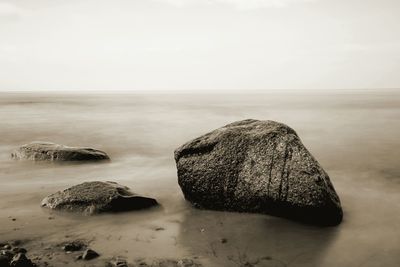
(75, 245)
(20, 260)
(7, 253)
(97, 197)
(19, 250)
(39, 151)
(118, 262)
(4, 261)
(169, 263)
(257, 166)
(16, 242)
(89, 254)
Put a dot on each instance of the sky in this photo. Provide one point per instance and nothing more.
(199, 44)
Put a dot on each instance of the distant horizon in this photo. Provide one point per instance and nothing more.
(209, 91)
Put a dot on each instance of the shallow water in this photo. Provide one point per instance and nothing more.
(354, 135)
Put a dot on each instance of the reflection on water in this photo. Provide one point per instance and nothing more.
(238, 239)
(353, 135)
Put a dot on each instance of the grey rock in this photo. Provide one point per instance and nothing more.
(89, 254)
(118, 262)
(168, 263)
(19, 250)
(7, 253)
(257, 166)
(97, 197)
(16, 242)
(20, 260)
(75, 245)
(46, 151)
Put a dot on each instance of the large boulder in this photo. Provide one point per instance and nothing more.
(97, 197)
(257, 166)
(39, 151)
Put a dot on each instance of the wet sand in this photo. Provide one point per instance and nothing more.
(353, 134)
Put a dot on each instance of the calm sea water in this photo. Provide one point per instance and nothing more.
(353, 134)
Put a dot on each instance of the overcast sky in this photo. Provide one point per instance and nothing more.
(199, 44)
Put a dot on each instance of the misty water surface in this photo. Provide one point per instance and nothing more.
(354, 135)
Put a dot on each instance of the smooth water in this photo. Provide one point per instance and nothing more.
(353, 134)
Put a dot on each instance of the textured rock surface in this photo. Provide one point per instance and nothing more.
(257, 166)
(89, 254)
(74, 245)
(20, 260)
(97, 197)
(168, 263)
(39, 151)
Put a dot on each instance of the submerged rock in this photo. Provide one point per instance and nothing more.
(20, 260)
(46, 151)
(7, 254)
(19, 250)
(75, 245)
(89, 254)
(168, 263)
(97, 197)
(257, 166)
(117, 262)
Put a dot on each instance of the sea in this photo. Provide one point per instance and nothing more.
(354, 134)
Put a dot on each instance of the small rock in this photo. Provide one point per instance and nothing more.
(16, 242)
(188, 263)
(118, 262)
(97, 197)
(89, 254)
(20, 260)
(223, 240)
(141, 263)
(40, 151)
(174, 263)
(160, 229)
(14, 219)
(19, 250)
(7, 253)
(75, 245)
(7, 246)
